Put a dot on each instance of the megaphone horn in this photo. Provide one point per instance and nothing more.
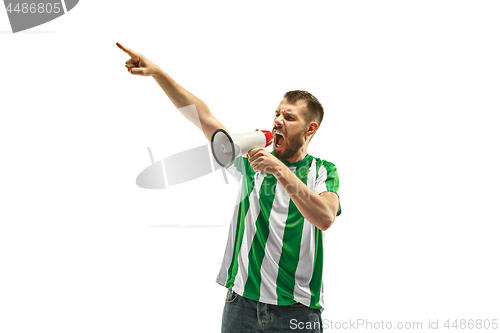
(226, 147)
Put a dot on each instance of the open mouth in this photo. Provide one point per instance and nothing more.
(279, 140)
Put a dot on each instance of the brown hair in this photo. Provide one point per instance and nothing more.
(313, 105)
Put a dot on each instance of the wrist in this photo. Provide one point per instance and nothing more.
(279, 170)
(156, 72)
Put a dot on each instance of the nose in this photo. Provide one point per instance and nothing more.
(278, 121)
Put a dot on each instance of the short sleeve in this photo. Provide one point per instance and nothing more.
(328, 180)
(238, 168)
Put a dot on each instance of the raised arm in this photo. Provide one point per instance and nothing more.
(138, 64)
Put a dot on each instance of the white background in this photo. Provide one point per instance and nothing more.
(410, 91)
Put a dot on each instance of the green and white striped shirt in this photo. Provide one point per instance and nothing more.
(273, 254)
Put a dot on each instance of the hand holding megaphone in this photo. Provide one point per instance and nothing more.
(226, 147)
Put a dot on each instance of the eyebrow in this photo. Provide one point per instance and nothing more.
(287, 112)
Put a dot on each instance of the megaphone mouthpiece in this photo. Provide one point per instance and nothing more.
(269, 137)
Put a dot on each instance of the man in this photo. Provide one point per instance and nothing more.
(274, 255)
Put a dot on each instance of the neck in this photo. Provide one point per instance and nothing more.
(301, 154)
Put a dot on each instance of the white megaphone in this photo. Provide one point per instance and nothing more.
(226, 147)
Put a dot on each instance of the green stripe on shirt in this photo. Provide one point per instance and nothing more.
(257, 250)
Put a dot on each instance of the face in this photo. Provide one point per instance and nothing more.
(289, 128)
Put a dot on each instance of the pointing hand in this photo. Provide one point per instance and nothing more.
(138, 64)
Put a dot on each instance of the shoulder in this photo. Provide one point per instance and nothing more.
(241, 165)
(323, 165)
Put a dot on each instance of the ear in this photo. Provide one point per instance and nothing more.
(311, 128)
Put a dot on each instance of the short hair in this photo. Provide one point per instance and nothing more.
(313, 105)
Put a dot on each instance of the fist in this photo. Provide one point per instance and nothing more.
(261, 160)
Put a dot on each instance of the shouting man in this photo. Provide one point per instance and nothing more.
(273, 261)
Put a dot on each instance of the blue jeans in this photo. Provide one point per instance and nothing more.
(243, 315)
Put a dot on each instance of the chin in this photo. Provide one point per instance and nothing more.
(281, 153)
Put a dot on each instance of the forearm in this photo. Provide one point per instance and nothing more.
(179, 96)
(190, 106)
(312, 206)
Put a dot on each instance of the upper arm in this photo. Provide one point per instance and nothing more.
(201, 117)
(327, 185)
(209, 125)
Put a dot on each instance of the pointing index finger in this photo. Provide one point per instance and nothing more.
(130, 52)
